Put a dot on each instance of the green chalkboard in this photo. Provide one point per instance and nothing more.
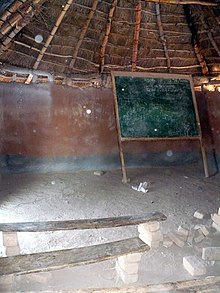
(155, 107)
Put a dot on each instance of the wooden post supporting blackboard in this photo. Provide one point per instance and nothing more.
(153, 107)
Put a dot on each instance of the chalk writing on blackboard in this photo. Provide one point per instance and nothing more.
(155, 107)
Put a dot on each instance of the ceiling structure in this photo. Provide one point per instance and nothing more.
(70, 37)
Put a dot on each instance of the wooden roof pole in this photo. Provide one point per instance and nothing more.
(107, 32)
(13, 20)
(200, 57)
(83, 32)
(207, 3)
(136, 35)
(162, 36)
(52, 33)
(18, 28)
(11, 9)
(210, 36)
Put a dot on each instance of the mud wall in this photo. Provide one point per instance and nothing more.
(48, 128)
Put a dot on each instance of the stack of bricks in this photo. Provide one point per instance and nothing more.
(151, 234)
(10, 242)
(216, 220)
(127, 267)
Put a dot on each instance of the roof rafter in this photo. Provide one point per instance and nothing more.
(107, 32)
(200, 57)
(29, 10)
(183, 2)
(136, 35)
(14, 18)
(162, 36)
(83, 33)
(10, 10)
(52, 33)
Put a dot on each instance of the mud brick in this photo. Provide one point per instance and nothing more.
(152, 236)
(10, 239)
(183, 231)
(12, 250)
(176, 240)
(191, 236)
(129, 268)
(130, 258)
(194, 265)
(167, 242)
(216, 226)
(204, 230)
(211, 253)
(151, 226)
(199, 215)
(152, 244)
(125, 277)
(216, 219)
(199, 238)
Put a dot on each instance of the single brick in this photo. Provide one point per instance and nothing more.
(204, 230)
(176, 240)
(167, 242)
(131, 258)
(183, 231)
(151, 226)
(190, 236)
(211, 253)
(194, 265)
(99, 173)
(198, 215)
(216, 226)
(152, 236)
(152, 244)
(129, 268)
(125, 277)
(199, 238)
(216, 219)
(10, 239)
(12, 250)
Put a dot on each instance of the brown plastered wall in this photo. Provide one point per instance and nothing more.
(51, 121)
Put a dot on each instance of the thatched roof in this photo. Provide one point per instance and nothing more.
(95, 36)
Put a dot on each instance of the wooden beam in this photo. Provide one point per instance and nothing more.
(46, 261)
(83, 33)
(183, 2)
(10, 10)
(107, 32)
(82, 224)
(26, 19)
(209, 284)
(200, 57)
(136, 34)
(14, 19)
(162, 36)
(52, 33)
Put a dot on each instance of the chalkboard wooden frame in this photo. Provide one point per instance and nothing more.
(123, 139)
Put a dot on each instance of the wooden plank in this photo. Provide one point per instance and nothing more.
(150, 74)
(82, 224)
(52, 260)
(210, 284)
(159, 138)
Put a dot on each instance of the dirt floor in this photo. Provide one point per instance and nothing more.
(177, 192)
